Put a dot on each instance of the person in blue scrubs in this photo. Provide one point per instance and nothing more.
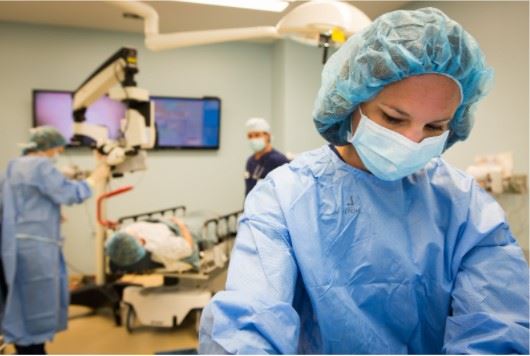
(374, 244)
(34, 268)
(264, 158)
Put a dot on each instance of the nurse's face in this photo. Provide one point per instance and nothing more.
(416, 107)
(259, 134)
(53, 152)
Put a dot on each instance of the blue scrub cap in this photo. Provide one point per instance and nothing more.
(395, 46)
(123, 249)
(43, 138)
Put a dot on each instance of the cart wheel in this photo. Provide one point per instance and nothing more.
(130, 318)
(198, 313)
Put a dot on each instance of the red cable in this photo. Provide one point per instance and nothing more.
(107, 223)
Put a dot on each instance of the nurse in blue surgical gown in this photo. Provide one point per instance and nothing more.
(37, 287)
(373, 243)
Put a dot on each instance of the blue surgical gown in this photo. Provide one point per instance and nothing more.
(331, 259)
(38, 297)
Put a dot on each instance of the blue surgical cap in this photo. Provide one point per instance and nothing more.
(123, 249)
(43, 138)
(395, 46)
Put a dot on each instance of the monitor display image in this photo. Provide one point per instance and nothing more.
(187, 122)
(54, 108)
(181, 123)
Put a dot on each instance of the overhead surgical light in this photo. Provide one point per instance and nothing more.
(319, 23)
(322, 23)
(261, 5)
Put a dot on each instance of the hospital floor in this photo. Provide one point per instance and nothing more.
(97, 334)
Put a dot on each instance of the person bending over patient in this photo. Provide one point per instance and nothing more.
(167, 245)
(32, 193)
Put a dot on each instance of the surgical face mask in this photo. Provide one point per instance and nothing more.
(390, 155)
(257, 144)
(55, 158)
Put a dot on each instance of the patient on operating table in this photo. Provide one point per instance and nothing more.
(167, 242)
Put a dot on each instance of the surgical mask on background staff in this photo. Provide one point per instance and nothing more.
(55, 158)
(257, 144)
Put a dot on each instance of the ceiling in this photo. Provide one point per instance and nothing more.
(175, 16)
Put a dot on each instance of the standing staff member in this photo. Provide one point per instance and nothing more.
(33, 191)
(374, 244)
(265, 158)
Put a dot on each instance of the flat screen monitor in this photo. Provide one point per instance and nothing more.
(187, 123)
(54, 108)
(182, 123)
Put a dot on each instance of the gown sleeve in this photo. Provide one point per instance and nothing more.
(255, 313)
(57, 187)
(490, 298)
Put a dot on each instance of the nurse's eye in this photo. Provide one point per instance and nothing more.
(392, 120)
(435, 128)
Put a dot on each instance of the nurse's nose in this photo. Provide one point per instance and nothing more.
(414, 134)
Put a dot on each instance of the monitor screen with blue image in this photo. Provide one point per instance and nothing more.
(187, 122)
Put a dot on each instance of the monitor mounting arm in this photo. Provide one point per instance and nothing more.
(116, 77)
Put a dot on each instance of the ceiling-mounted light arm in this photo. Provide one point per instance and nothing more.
(195, 38)
(317, 22)
(145, 11)
(157, 42)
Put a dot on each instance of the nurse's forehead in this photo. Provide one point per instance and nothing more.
(429, 92)
(427, 85)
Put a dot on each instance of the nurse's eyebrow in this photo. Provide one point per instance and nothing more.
(396, 109)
